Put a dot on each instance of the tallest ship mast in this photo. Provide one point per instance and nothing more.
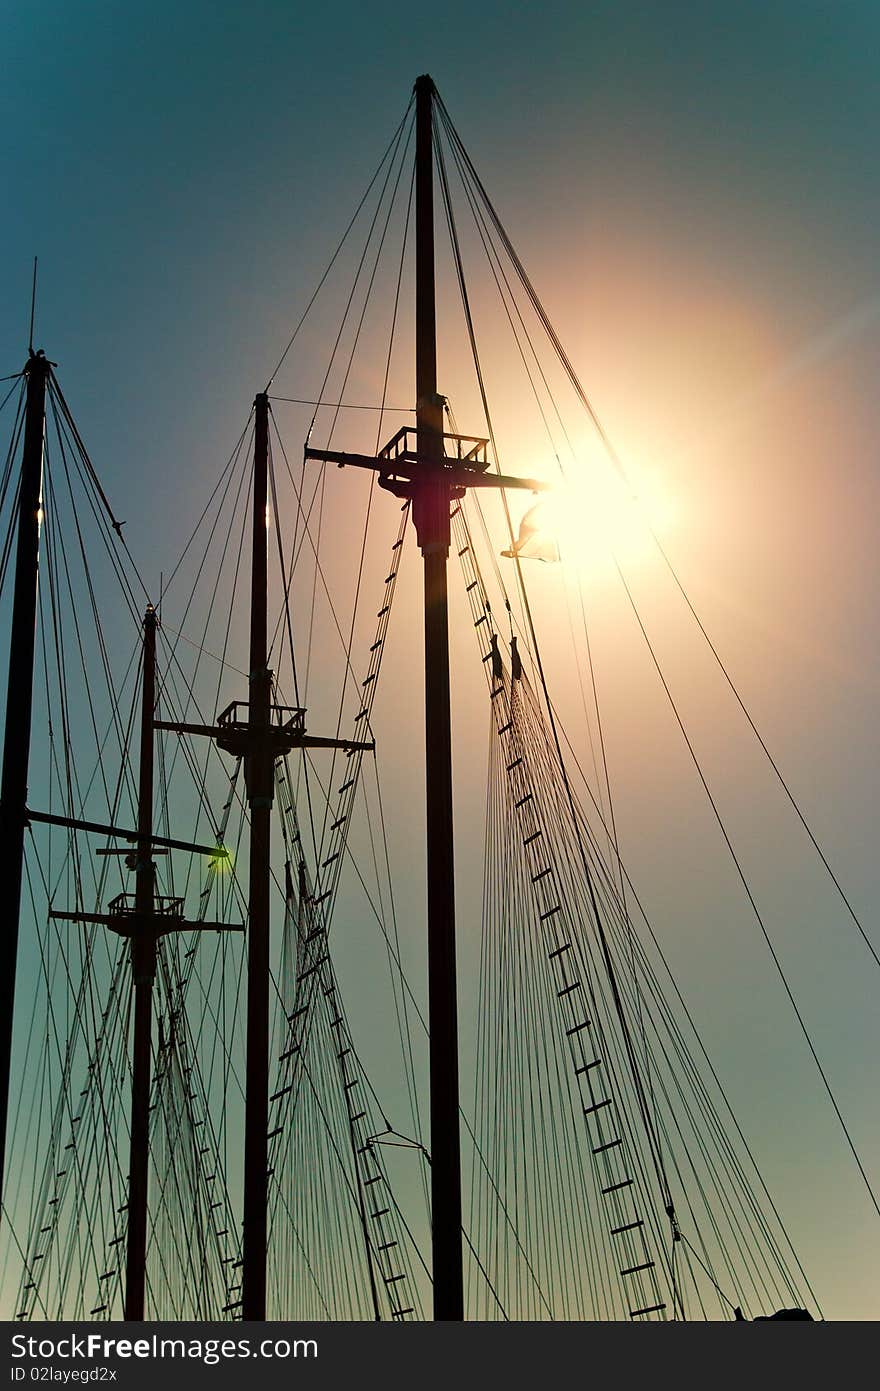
(430, 490)
(431, 517)
(432, 470)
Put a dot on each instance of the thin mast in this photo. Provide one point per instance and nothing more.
(19, 708)
(143, 965)
(432, 478)
(151, 917)
(431, 516)
(271, 733)
(259, 768)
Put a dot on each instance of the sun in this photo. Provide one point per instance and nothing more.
(594, 516)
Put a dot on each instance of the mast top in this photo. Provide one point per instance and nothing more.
(425, 83)
(38, 362)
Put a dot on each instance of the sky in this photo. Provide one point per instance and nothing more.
(693, 190)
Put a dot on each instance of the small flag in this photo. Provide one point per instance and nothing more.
(536, 540)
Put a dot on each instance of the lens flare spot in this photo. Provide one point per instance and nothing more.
(222, 861)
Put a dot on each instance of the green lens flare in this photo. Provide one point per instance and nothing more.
(221, 861)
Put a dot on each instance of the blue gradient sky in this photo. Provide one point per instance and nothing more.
(693, 188)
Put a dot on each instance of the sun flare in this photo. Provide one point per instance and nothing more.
(594, 516)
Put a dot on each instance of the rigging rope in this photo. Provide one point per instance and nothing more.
(467, 166)
(391, 145)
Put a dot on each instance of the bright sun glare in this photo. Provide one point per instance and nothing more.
(595, 517)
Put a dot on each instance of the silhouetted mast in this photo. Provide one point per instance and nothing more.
(143, 918)
(270, 732)
(143, 968)
(19, 708)
(431, 517)
(260, 792)
(259, 741)
(438, 470)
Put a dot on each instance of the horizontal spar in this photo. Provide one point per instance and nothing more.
(217, 852)
(413, 467)
(291, 739)
(127, 924)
